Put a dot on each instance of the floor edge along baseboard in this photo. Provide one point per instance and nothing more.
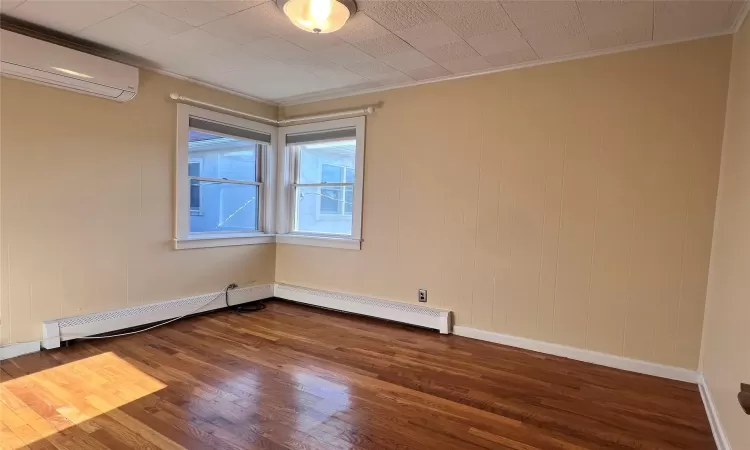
(22, 348)
(722, 443)
(56, 331)
(59, 330)
(419, 315)
(579, 354)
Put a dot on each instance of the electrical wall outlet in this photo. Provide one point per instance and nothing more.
(423, 295)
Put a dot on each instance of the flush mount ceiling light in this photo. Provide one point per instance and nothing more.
(318, 16)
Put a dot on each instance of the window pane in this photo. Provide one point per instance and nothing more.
(194, 169)
(327, 162)
(195, 195)
(330, 200)
(224, 207)
(221, 156)
(331, 174)
(312, 217)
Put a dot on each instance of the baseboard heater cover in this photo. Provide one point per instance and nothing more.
(428, 317)
(56, 331)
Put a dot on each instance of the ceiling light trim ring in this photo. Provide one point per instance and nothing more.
(351, 5)
(293, 14)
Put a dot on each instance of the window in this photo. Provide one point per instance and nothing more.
(231, 191)
(324, 182)
(221, 179)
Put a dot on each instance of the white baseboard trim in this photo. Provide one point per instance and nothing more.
(590, 356)
(423, 316)
(22, 348)
(56, 331)
(722, 443)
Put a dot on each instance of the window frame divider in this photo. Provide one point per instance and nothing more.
(227, 180)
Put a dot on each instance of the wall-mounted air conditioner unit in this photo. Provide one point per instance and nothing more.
(42, 62)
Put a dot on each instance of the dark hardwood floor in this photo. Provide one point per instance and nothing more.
(293, 377)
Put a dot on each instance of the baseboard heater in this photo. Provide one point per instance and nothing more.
(56, 331)
(427, 317)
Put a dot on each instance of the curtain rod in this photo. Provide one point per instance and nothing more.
(365, 110)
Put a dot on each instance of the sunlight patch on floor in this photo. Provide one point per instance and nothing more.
(42, 404)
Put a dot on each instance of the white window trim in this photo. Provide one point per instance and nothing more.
(285, 199)
(183, 238)
(319, 241)
(277, 192)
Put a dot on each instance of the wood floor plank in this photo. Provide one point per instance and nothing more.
(295, 377)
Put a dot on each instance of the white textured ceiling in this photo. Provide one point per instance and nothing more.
(249, 46)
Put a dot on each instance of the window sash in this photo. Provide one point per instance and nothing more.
(295, 218)
(260, 213)
(261, 151)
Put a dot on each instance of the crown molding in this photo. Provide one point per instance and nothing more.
(312, 98)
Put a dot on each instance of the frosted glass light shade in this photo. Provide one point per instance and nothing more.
(317, 16)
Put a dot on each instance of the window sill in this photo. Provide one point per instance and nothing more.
(228, 240)
(320, 241)
(223, 240)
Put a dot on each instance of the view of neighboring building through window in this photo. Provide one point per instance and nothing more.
(194, 170)
(336, 200)
(224, 182)
(324, 191)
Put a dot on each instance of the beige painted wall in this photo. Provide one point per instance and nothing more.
(571, 203)
(725, 358)
(87, 206)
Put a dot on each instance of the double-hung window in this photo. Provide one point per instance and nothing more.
(236, 186)
(222, 190)
(323, 198)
